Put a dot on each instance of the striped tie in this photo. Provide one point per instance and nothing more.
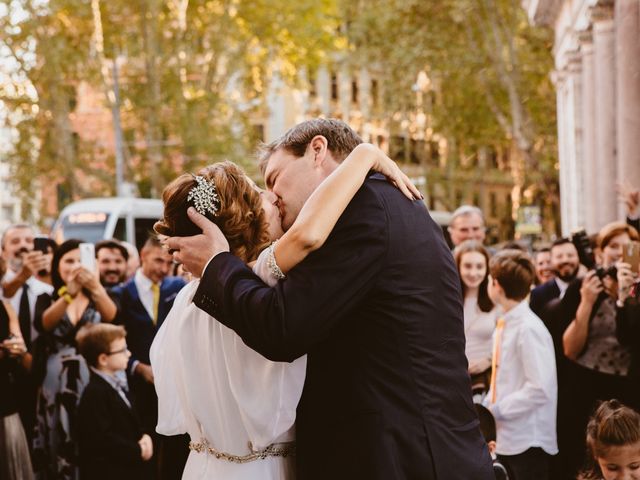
(495, 359)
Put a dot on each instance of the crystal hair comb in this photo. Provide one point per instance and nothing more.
(204, 196)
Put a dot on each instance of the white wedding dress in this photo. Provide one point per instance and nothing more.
(219, 391)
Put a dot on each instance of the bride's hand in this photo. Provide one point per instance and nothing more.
(387, 167)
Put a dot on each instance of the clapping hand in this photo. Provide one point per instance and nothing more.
(631, 198)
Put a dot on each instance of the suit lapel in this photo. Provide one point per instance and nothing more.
(136, 302)
(167, 295)
(109, 390)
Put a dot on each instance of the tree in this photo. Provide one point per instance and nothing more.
(193, 75)
(491, 73)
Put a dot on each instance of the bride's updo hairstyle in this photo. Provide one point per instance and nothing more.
(240, 215)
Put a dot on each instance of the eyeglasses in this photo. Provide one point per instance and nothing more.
(122, 350)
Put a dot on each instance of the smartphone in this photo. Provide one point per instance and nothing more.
(88, 256)
(631, 255)
(40, 244)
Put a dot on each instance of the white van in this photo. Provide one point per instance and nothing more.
(95, 219)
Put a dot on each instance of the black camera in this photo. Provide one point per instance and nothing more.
(581, 241)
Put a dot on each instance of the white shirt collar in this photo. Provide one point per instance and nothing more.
(142, 281)
(516, 313)
(562, 285)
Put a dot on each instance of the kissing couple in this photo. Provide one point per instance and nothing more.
(323, 336)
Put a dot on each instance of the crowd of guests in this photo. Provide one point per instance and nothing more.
(77, 397)
(549, 337)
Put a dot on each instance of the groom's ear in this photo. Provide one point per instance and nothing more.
(318, 145)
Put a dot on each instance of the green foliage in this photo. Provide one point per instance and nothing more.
(489, 68)
(193, 74)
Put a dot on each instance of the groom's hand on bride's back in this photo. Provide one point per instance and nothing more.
(196, 251)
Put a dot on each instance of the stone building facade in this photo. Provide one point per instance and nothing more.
(597, 78)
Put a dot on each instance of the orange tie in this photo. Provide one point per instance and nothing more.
(495, 359)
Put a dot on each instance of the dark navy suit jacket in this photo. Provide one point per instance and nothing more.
(108, 434)
(378, 310)
(542, 295)
(131, 313)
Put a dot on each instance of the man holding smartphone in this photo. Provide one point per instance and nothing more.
(21, 288)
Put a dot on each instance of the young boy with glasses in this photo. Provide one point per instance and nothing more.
(112, 444)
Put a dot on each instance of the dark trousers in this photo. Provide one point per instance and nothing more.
(532, 464)
(169, 453)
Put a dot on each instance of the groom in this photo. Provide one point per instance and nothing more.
(378, 311)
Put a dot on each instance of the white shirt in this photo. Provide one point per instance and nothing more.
(217, 389)
(526, 386)
(35, 289)
(478, 330)
(562, 286)
(143, 285)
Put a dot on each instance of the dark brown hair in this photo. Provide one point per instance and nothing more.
(484, 302)
(514, 271)
(112, 245)
(95, 339)
(240, 217)
(341, 140)
(612, 425)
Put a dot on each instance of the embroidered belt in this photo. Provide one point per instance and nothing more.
(284, 449)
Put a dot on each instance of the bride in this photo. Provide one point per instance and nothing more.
(238, 407)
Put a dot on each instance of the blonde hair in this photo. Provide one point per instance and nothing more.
(241, 217)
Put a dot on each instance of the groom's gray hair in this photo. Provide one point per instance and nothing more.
(341, 140)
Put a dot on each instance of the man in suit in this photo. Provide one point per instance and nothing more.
(565, 265)
(145, 301)
(378, 311)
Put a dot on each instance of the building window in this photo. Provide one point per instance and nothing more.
(334, 86)
(313, 91)
(492, 158)
(258, 132)
(493, 204)
(374, 93)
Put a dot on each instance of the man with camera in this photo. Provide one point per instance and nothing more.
(597, 364)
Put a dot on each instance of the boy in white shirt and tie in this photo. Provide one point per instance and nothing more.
(523, 392)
